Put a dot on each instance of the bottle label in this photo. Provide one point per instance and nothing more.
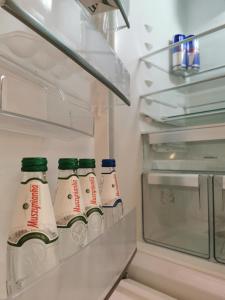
(33, 215)
(69, 206)
(90, 192)
(110, 190)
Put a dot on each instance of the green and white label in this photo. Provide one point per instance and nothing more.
(90, 191)
(69, 204)
(33, 216)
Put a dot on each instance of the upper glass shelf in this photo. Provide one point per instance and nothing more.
(67, 26)
(211, 49)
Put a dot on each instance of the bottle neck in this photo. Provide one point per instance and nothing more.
(108, 170)
(85, 171)
(29, 175)
(66, 173)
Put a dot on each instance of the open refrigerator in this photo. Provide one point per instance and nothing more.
(65, 92)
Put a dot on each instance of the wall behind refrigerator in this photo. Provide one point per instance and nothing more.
(14, 146)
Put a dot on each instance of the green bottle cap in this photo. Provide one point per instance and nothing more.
(87, 163)
(68, 163)
(34, 164)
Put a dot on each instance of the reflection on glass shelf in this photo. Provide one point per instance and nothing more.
(212, 59)
(66, 26)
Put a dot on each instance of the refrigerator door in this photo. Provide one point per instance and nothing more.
(219, 218)
(175, 212)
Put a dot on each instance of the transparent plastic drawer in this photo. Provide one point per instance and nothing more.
(175, 212)
(23, 97)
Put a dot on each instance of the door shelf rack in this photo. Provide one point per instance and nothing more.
(90, 267)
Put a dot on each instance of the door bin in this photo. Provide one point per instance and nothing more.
(175, 212)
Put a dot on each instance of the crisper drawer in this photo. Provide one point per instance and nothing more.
(219, 218)
(175, 212)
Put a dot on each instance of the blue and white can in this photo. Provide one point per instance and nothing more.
(179, 54)
(193, 54)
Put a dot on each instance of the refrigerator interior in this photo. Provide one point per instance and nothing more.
(151, 75)
(170, 102)
(196, 100)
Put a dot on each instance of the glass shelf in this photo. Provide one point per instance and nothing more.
(212, 60)
(66, 26)
(195, 103)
